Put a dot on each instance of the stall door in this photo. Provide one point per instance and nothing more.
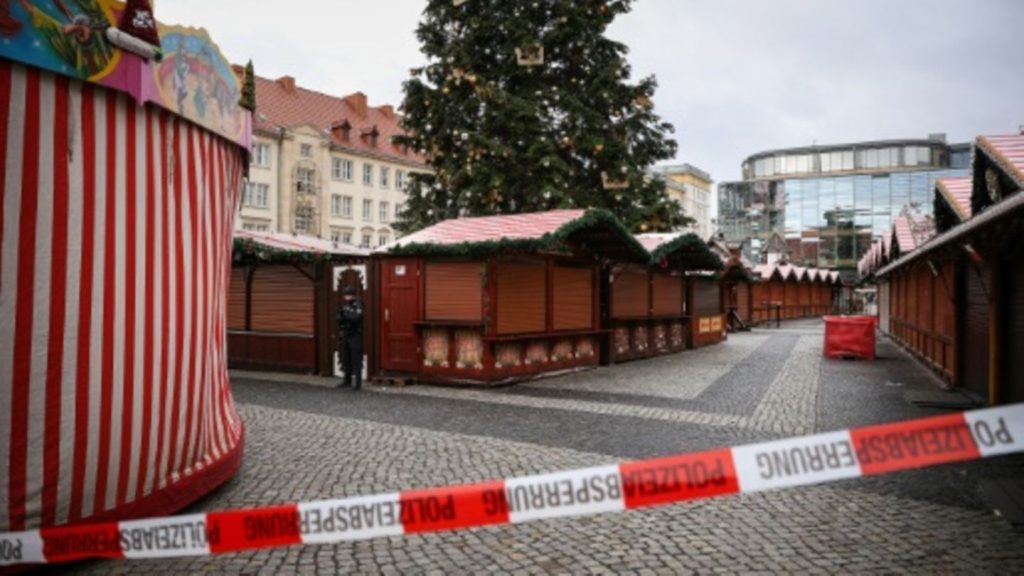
(975, 330)
(400, 304)
(743, 301)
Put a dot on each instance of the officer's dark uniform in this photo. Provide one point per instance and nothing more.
(350, 340)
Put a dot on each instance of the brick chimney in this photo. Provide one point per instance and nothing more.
(238, 70)
(357, 102)
(387, 110)
(287, 82)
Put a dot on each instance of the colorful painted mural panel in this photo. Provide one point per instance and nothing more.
(676, 334)
(469, 346)
(66, 37)
(195, 80)
(508, 355)
(585, 347)
(562, 350)
(536, 352)
(435, 348)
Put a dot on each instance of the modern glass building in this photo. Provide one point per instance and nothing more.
(829, 202)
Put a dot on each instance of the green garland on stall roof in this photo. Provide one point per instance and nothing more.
(554, 241)
(245, 251)
(689, 248)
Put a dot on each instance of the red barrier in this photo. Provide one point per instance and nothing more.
(847, 336)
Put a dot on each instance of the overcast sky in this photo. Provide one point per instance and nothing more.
(736, 76)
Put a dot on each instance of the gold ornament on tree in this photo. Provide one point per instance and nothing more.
(609, 184)
(532, 55)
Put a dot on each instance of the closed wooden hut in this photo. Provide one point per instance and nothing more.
(494, 299)
(284, 292)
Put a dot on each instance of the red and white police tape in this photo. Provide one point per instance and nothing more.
(785, 463)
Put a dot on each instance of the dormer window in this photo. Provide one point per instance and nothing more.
(371, 134)
(344, 130)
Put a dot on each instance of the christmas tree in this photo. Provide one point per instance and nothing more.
(527, 106)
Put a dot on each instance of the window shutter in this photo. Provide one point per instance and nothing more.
(282, 301)
(668, 295)
(573, 298)
(522, 298)
(707, 300)
(630, 294)
(453, 291)
(236, 300)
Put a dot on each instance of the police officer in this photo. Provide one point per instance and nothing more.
(350, 338)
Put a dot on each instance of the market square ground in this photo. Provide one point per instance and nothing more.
(307, 441)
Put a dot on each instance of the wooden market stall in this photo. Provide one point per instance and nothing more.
(118, 198)
(646, 303)
(494, 299)
(782, 292)
(283, 296)
(956, 301)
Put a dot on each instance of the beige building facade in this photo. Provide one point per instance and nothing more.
(325, 166)
(691, 188)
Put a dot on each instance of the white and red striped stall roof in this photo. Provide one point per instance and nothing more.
(1008, 150)
(300, 243)
(530, 226)
(957, 192)
(115, 255)
(651, 241)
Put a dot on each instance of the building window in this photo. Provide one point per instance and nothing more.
(303, 218)
(252, 227)
(368, 210)
(384, 174)
(368, 174)
(256, 195)
(346, 237)
(261, 155)
(341, 206)
(399, 180)
(385, 214)
(341, 169)
(304, 178)
(306, 150)
(383, 239)
(367, 238)
(398, 210)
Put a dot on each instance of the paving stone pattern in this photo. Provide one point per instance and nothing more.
(311, 442)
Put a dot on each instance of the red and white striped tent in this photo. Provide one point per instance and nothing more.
(115, 255)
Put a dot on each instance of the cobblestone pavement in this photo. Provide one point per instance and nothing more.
(310, 442)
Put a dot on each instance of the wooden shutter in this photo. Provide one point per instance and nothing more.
(453, 291)
(236, 300)
(707, 298)
(522, 298)
(1013, 354)
(743, 301)
(976, 335)
(630, 294)
(573, 298)
(282, 300)
(668, 295)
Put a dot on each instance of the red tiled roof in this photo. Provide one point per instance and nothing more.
(530, 226)
(957, 192)
(282, 104)
(1008, 150)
